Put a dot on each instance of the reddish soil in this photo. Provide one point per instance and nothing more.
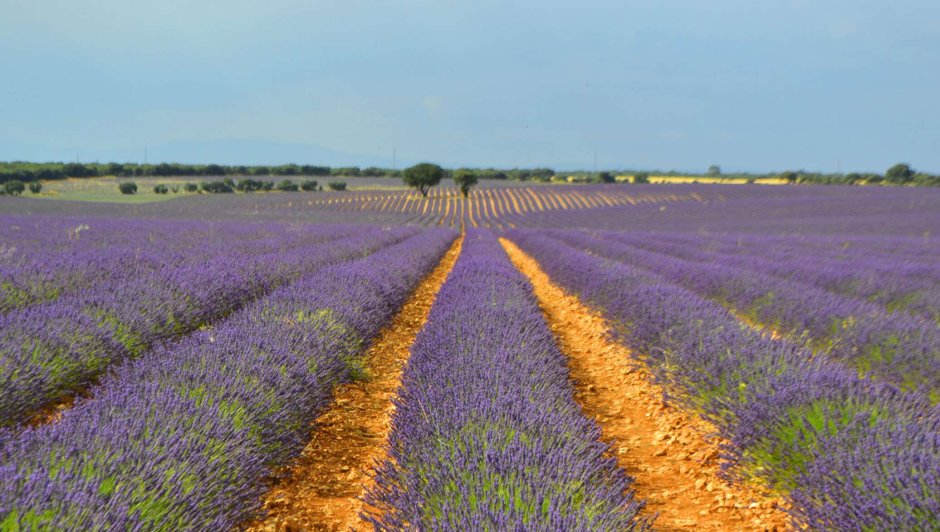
(323, 487)
(53, 412)
(665, 449)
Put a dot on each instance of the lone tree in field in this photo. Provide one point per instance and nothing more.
(128, 188)
(423, 176)
(14, 188)
(465, 179)
(790, 177)
(899, 173)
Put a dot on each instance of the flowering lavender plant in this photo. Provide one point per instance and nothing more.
(486, 433)
(183, 437)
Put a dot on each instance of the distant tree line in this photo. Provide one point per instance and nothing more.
(229, 186)
(23, 171)
(26, 172)
(899, 174)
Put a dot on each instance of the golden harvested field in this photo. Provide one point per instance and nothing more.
(492, 207)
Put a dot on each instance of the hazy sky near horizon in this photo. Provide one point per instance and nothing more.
(760, 86)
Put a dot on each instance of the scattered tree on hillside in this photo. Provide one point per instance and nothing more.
(714, 170)
(214, 169)
(248, 185)
(423, 176)
(372, 171)
(14, 188)
(346, 171)
(641, 178)
(899, 173)
(789, 177)
(217, 187)
(853, 178)
(288, 186)
(114, 169)
(465, 179)
(605, 177)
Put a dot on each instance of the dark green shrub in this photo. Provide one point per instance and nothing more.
(217, 187)
(128, 188)
(900, 173)
(14, 188)
(348, 171)
(288, 186)
(314, 170)
(191, 187)
(336, 185)
(160, 189)
(308, 185)
(214, 169)
(35, 187)
(641, 177)
(248, 185)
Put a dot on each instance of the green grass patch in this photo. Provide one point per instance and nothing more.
(799, 435)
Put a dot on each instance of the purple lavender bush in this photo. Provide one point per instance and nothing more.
(899, 348)
(50, 350)
(898, 279)
(486, 434)
(43, 258)
(183, 437)
(789, 415)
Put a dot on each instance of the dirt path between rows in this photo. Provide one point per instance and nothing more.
(666, 451)
(324, 485)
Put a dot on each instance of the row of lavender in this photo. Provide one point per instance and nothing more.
(919, 251)
(902, 279)
(43, 258)
(486, 433)
(182, 438)
(765, 210)
(897, 347)
(50, 350)
(849, 453)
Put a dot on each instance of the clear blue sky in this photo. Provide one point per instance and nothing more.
(663, 84)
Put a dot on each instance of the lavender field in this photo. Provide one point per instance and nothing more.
(166, 366)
